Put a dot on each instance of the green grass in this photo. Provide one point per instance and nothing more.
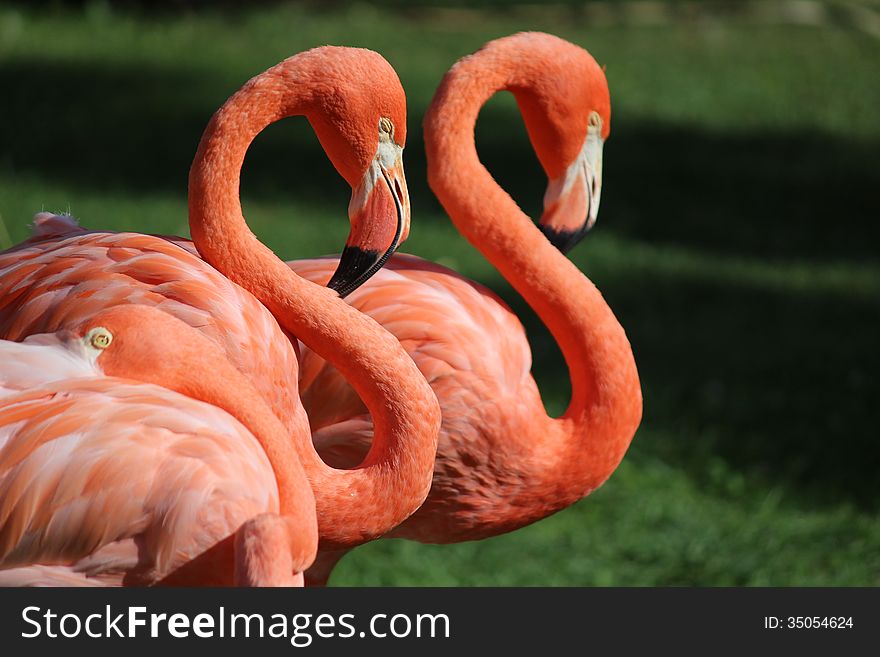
(737, 243)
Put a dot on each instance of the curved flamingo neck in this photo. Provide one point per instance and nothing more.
(221, 385)
(353, 505)
(216, 220)
(596, 429)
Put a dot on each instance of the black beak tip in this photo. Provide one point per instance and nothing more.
(565, 240)
(355, 267)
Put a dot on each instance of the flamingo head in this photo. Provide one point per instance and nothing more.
(567, 113)
(146, 344)
(360, 119)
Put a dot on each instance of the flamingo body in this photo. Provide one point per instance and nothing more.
(473, 351)
(108, 480)
(60, 279)
(502, 462)
(113, 482)
(64, 276)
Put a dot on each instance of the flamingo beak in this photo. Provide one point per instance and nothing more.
(380, 213)
(571, 202)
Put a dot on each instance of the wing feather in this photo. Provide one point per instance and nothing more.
(134, 472)
(56, 282)
(451, 327)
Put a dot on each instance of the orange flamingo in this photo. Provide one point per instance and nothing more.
(117, 464)
(354, 101)
(502, 462)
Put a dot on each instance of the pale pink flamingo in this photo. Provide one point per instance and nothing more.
(354, 101)
(502, 462)
(132, 452)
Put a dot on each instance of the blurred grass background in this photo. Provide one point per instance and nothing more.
(737, 243)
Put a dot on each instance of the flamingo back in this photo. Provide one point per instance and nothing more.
(108, 481)
(59, 279)
(473, 351)
(452, 328)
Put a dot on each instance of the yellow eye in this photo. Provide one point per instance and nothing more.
(386, 126)
(595, 120)
(99, 338)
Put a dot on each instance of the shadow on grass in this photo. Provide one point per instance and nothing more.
(781, 385)
(132, 129)
(777, 387)
(136, 129)
(790, 195)
(803, 195)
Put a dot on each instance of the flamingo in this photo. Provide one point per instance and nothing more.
(502, 462)
(354, 101)
(130, 447)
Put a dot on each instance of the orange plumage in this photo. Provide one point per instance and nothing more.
(502, 462)
(64, 276)
(108, 478)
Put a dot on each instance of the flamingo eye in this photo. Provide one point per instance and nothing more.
(386, 127)
(99, 338)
